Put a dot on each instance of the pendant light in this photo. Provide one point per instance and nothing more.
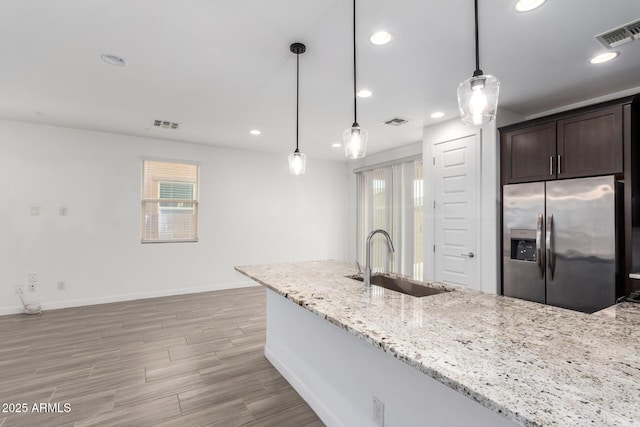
(478, 95)
(355, 138)
(297, 160)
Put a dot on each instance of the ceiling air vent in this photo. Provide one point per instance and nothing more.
(397, 121)
(634, 28)
(165, 124)
(621, 35)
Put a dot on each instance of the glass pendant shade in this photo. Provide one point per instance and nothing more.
(297, 163)
(355, 142)
(478, 99)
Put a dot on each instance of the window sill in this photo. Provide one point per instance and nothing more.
(169, 241)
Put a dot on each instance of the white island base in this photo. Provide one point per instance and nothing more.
(338, 375)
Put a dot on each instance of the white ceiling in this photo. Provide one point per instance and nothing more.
(223, 67)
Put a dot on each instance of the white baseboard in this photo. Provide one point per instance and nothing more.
(128, 297)
(305, 392)
(4, 311)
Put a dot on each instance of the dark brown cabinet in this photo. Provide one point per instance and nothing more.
(590, 144)
(529, 154)
(582, 145)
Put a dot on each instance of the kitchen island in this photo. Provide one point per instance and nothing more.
(516, 361)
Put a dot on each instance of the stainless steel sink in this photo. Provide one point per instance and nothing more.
(401, 285)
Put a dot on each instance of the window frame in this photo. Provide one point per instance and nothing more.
(195, 203)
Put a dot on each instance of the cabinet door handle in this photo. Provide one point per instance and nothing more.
(468, 255)
(550, 165)
(559, 164)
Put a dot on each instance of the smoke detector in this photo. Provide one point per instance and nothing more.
(621, 35)
(165, 124)
(396, 121)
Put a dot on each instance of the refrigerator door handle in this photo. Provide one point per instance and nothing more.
(539, 252)
(549, 243)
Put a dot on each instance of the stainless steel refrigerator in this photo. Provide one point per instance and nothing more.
(559, 242)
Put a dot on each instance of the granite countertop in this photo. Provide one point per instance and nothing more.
(536, 364)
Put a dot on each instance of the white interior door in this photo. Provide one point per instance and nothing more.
(456, 197)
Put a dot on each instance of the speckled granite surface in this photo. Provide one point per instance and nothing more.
(538, 365)
(624, 312)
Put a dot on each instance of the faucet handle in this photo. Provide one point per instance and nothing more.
(359, 269)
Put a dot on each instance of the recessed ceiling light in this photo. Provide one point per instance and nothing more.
(527, 5)
(255, 132)
(364, 93)
(380, 37)
(437, 115)
(603, 57)
(113, 60)
(336, 145)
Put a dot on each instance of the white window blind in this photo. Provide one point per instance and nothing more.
(391, 198)
(169, 202)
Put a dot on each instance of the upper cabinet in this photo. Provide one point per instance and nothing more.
(528, 154)
(590, 144)
(580, 145)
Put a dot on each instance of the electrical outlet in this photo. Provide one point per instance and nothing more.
(35, 210)
(378, 411)
(33, 279)
(61, 286)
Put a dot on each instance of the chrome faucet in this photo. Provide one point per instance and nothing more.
(367, 266)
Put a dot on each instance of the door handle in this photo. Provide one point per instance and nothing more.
(539, 252)
(549, 243)
(559, 164)
(469, 255)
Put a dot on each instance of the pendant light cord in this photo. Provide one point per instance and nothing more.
(355, 101)
(297, 94)
(478, 71)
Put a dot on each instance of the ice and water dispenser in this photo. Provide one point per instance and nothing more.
(523, 244)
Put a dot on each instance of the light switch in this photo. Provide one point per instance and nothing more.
(64, 211)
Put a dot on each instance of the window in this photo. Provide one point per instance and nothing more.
(391, 198)
(169, 202)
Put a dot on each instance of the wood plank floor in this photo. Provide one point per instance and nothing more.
(187, 360)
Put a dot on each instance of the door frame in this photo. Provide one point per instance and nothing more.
(488, 196)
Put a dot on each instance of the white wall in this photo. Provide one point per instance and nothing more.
(251, 211)
(389, 155)
(586, 102)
